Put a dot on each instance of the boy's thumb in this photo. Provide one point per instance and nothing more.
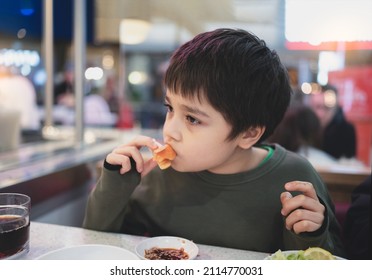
(148, 166)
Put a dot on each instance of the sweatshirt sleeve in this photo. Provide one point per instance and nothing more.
(108, 200)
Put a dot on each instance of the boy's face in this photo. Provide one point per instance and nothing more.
(198, 133)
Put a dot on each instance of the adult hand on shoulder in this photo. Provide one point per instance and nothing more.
(303, 212)
(122, 154)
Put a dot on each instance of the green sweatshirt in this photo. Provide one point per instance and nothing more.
(237, 211)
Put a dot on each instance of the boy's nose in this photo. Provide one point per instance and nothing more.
(172, 130)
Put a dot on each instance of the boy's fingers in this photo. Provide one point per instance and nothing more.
(121, 155)
(305, 187)
(301, 201)
(303, 212)
(284, 196)
(284, 199)
(305, 218)
(125, 169)
(115, 159)
(305, 226)
(141, 141)
(148, 166)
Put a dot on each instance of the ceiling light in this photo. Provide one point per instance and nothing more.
(133, 31)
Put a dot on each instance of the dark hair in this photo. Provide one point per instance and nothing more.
(237, 74)
(299, 127)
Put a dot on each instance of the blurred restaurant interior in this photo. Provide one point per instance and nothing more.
(96, 68)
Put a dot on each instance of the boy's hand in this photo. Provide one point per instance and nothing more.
(122, 154)
(304, 212)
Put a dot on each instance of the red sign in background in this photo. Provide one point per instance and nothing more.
(355, 91)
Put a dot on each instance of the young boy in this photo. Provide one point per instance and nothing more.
(226, 93)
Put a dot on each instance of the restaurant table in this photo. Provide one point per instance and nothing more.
(342, 180)
(45, 238)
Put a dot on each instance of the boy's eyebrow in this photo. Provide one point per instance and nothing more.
(195, 111)
(192, 110)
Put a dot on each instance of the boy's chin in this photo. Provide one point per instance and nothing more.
(177, 168)
(181, 168)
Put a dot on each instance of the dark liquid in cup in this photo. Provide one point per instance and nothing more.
(14, 239)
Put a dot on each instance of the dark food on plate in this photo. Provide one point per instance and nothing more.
(156, 253)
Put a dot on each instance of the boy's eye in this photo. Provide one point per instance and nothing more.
(192, 120)
(169, 107)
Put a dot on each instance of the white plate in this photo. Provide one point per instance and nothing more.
(167, 242)
(286, 253)
(90, 252)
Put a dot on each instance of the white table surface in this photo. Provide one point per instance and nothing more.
(45, 238)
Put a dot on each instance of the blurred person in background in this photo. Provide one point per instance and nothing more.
(300, 132)
(64, 89)
(110, 94)
(18, 93)
(97, 111)
(339, 138)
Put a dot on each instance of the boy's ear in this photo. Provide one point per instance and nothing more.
(251, 136)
